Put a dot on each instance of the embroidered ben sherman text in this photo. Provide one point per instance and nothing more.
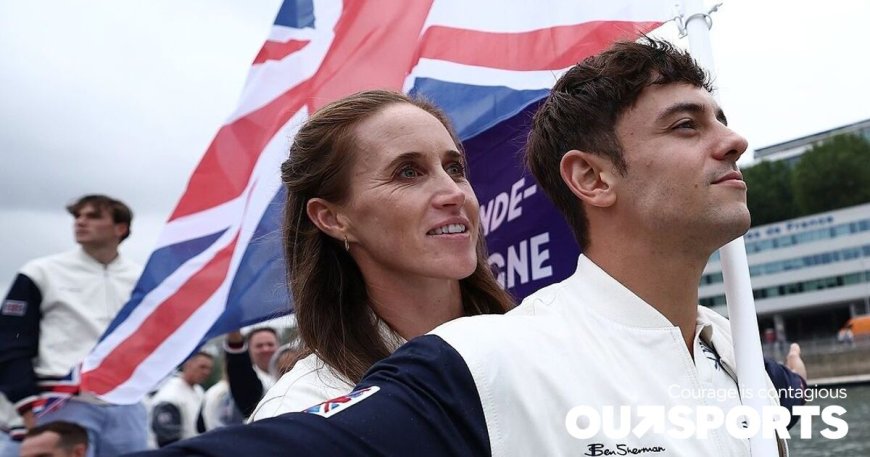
(598, 449)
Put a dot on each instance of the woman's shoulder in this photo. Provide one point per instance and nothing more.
(309, 383)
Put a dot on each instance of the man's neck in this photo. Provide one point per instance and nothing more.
(666, 280)
(103, 254)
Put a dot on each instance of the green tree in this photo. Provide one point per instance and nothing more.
(834, 174)
(769, 195)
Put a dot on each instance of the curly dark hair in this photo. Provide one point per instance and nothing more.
(584, 106)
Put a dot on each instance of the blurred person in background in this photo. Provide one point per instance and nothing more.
(285, 358)
(218, 407)
(55, 311)
(247, 366)
(11, 429)
(176, 405)
(55, 439)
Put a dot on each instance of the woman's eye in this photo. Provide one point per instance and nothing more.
(408, 172)
(455, 169)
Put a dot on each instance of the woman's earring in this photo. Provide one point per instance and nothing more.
(346, 244)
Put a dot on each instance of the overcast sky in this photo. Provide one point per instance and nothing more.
(122, 97)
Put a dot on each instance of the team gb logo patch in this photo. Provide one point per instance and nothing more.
(336, 405)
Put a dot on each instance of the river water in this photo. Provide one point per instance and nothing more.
(857, 416)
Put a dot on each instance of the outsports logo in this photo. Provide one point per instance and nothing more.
(681, 422)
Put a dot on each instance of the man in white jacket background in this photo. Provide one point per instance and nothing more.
(55, 311)
(176, 405)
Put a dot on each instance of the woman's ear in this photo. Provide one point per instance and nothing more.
(589, 176)
(326, 217)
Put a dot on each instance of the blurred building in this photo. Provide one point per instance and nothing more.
(790, 151)
(809, 275)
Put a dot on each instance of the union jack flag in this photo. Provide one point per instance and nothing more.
(218, 266)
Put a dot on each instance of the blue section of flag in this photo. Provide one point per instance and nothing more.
(162, 263)
(259, 289)
(296, 13)
(474, 109)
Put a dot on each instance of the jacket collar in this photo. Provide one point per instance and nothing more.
(92, 262)
(608, 297)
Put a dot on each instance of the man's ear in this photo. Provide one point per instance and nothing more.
(589, 176)
(326, 217)
(121, 229)
(80, 450)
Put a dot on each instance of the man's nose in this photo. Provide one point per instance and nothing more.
(732, 145)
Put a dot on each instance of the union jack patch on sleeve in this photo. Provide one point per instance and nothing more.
(14, 308)
(336, 405)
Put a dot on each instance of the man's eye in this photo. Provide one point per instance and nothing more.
(687, 124)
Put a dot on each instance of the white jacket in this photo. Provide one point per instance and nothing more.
(56, 310)
(504, 385)
(311, 381)
(586, 341)
(186, 398)
(80, 297)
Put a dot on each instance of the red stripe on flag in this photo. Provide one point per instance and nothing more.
(120, 364)
(544, 49)
(370, 45)
(371, 48)
(64, 389)
(277, 50)
(229, 161)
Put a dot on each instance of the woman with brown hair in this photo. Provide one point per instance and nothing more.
(382, 240)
